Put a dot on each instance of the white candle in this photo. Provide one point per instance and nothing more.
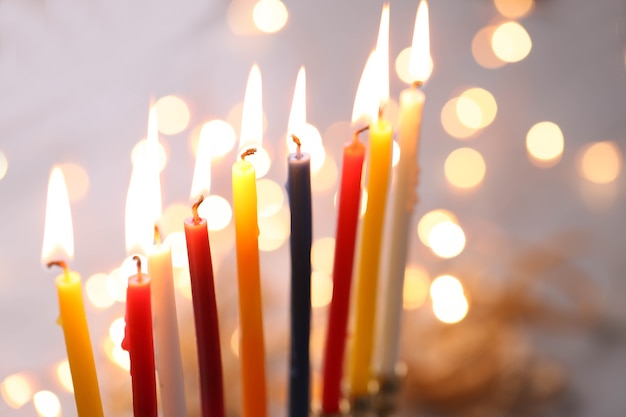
(405, 199)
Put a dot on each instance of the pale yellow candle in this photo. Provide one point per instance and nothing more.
(59, 244)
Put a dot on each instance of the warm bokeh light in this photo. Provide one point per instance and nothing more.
(47, 404)
(173, 115)
(382, 54)
(173, 217)
(511, 42)
(119, 356)
(139, 217)
(140, 149)
(251, 135)
(221, 137)
(416, 285)
(116, 330)
(485, 103)
(451, 123)
(240, 18)
(446, 239)
(465, 168)
(182, 281)
(218, 212)
(366, 100)
(482, 50)
(449, 302)
(234, 342)
(270, 197)
(178, 244)
(600, 162)
(4, 165)
(514, 9)
(312, 144)
(65, 375)
(297, 115)
(58, 236)
(97, 291)
(430, 220)
(323, 255)
(16, 390)
(326, 177)
(129, 267)
(274, 230)
(321, 289)
(544, 143)
(117, 284)
(402, 63)
(270, 16)
(420, 62)
(395, 155)
(469, 112)
(77, 180)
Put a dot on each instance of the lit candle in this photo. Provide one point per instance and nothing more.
(203, 292)
(299, 191)
(58, 244)
(138, 341)
(411, 105)
(166, 338)
(379, 167)
(251, 346)
(347, 221)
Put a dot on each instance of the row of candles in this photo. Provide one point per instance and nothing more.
(150, 304)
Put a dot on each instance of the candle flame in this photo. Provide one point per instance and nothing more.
(139, 225)
(152, 168)
(366, 102)
(252, 116)
(201, 183)
(382, 51)
(297, 116)
(58, 237)
(420, 63)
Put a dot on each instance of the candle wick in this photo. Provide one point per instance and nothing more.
(137, 259)
(61, 264)
(157, 235)
(358, 132)
(299, 150)
(248, 152)
(194, 209)
(417, 84)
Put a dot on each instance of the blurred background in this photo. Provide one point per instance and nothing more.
(521, 188)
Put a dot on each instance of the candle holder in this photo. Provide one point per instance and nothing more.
(386, 401)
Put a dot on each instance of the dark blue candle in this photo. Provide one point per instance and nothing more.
(299, 190)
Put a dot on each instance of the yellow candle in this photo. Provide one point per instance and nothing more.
(379, 167)
(251, 346)
(59, 244)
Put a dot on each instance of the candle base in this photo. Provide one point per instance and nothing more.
(386, 401)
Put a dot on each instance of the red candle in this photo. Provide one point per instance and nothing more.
(138, 342)
(205, 314)
(349, 200)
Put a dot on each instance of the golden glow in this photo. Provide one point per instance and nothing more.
(297, 115)
(312, 144)
(482, 50)
(173, 114)
(326, 177)
(139, 225)
(430, 220)
(221, 138)
(270, 197)
(601, 162)
(65, 375)
(117, 330)
(47, 404)
(141, 148)
(234, 342)
(446, 239)
(421, 64)
(251, 135)
(363, 203)
(402, 66)
(366, 101)
(449, 302)
(484, 101)
(4, 165)
(16, 390)
(395, 158)
(322, 255)
(58, 236)
(274, 230)
(469, 113)
(511, 42)
(270, 16)
(120, 357)
(173, 218)
(179, 249)
(382, 52)
(544, 143)
(465, 168)
(217, 211)
(321, 289)
(415, 290)
(117, 284)
(201, 182)
(514, 9)
(182, 281)
(451, 123)
(240, 17)
(77, 180)
(97, 291)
